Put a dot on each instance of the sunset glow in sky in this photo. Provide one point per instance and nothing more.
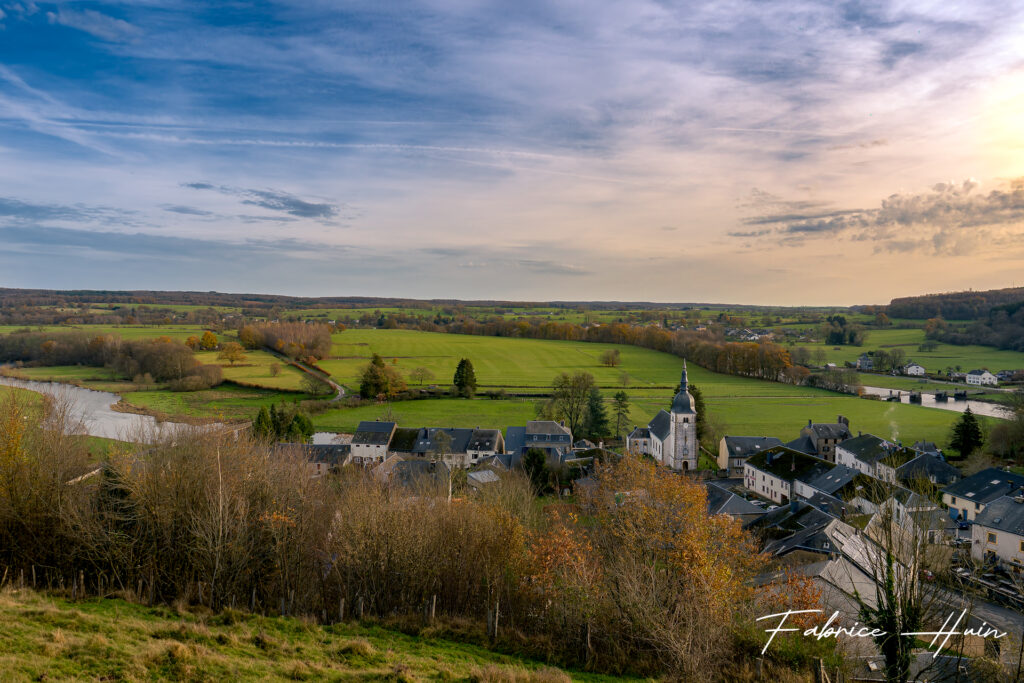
(747, 152)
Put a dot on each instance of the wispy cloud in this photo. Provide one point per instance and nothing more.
(96, 24)
(274, 200)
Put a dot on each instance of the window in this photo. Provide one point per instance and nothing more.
(1022, 546)
(991, 537)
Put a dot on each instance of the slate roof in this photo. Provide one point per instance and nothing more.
(515, 443)
(986, 485)
(834, 479)
(830, 430)
(484, 440)
(661, 425)
(546, 427)
(926, 446)
(373, 433)
(803, 444)
(930, 467)
(640, 433)
(721, 501)
(427, 440)
(788, 464)
(870, 449)
(327, 454)
(977, 372)
(404, 440)
(745, 446)
(1004, 514)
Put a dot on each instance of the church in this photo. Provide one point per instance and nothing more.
(671, 437)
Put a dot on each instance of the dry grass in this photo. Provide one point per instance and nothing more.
(47, 637)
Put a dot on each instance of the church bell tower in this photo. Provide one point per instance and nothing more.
(684, 429)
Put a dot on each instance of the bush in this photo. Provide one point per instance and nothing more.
(190, 383)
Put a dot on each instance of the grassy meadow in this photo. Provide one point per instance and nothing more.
(744, 406)
(942, 357)
(48, 638)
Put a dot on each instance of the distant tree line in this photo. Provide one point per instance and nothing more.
(1002, 328)
(155, 360)
(954, 305)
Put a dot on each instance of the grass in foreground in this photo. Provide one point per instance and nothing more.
(51, 638)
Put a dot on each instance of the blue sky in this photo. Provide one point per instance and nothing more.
(752, 152)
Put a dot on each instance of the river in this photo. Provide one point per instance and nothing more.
(928, 401)
(91, 413)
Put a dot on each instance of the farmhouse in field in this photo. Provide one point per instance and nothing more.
(914, 370)
(865, 362)
(981, 378)
(671, 437)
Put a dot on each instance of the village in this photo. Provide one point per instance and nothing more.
(819, 503)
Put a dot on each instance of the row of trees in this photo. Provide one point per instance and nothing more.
(295, 340)
(286, 423)
(161, 359)
(653, 585)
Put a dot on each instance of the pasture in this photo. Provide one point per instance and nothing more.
(745, 406)
(937, 360)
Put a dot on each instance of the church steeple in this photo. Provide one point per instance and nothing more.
(683, 402)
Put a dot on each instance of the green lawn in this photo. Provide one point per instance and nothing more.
(225, 402)
(49, 638)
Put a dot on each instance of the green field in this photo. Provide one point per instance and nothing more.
(128, 332)
(498, 361)
(48, 638)
(942, 357)
(746, 406)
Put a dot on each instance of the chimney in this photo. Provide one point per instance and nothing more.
(794, 505)
(809, 422)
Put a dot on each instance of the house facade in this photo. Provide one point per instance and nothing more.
(370, 442)
(968, 497)
(981, 378)
(733, 451)
(826, 435)
(998, 532)
(914, 370)
(772, 473)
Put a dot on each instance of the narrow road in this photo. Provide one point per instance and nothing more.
(339, 391)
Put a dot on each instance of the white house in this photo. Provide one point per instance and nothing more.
(914, 370)
(998, 532)
(370, 442)
(772, 473)
(981, 378)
